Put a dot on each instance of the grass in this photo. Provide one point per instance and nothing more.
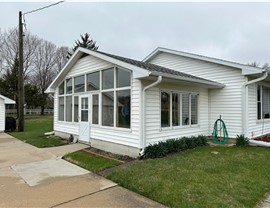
(202, 177)
(90, 162)
(35, 127)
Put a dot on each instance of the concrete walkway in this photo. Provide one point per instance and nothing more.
(265, 203)
(33, 177)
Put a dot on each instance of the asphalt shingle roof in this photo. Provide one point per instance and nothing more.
(155, 68)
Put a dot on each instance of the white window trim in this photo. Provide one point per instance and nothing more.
(181, 126)
(261, 103)
(99, 92)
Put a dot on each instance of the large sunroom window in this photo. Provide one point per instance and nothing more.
(178, 109)
(116, 97)
(110, 93)
(263, 102)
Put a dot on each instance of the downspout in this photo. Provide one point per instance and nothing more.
(143, 143)
(245, 101)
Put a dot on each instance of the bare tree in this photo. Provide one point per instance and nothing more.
(44, 69)
(265, 66)
(1, 51)
(257, 64)
(9, 49)
(61, 58)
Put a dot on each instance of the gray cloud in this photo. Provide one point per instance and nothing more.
(231, 31)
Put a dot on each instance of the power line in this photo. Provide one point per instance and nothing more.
(35, 10)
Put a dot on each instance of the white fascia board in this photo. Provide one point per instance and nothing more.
(64, 71)
(202, 58)
(7, 100)
(188, 79)
(248, 71)
(137, 71)
(152, 55)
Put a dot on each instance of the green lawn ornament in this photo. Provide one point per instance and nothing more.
(220, 134)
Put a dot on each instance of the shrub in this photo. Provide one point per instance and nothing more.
(190, 142)
(155, 150)
(241, 140)
(161, 149)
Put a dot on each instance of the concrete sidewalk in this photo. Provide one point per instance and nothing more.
(55, 182)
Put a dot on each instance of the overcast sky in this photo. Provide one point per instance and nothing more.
(232, 31)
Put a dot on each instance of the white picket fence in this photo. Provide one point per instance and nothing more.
(29, 111)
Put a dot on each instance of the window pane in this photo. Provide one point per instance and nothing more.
(165, 109)
(95, 109)
(69, 108)
(69, 86)
(84, 115)
(108, 79)
(123, 78)
(259, 103)
(84, 104)
(123, 109)
(61, 89)
(259, 116)
(175, 110)
(79, 84)
(194, 109)
(61, 109)
(93, 81)
(266, 102)
(259, 93)
(107, 108)
(84, 109)
(185, 109)
(76, 108)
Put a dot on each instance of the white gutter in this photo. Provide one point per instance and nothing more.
(245, 101)
(143, 143)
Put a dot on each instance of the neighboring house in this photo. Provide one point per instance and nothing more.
(3, 102)
(122, 105)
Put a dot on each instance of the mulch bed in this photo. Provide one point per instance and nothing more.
(265, 138)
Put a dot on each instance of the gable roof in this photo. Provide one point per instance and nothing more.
(246, 69)
(153, 68)
(140, 69)
(7, 100)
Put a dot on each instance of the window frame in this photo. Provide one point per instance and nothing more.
(99, 92)
(115, 89)
(180, 109)
(261, 103)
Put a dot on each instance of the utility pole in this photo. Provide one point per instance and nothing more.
(20, 78)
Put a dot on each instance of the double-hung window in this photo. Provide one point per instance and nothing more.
(178, 109)
(263, 102)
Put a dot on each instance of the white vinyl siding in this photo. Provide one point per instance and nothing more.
(154, 132)
(129, 137)
(226, 102)
(255, 127)
(2, 115)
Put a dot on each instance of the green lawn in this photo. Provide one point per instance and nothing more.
(202, 177)
(90, 162)
(35, 127)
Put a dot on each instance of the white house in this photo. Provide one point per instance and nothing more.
(122, 105)
(3, 102)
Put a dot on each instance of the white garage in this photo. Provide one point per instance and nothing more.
(3, 102)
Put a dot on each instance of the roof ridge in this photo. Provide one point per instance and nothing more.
(206, 57)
